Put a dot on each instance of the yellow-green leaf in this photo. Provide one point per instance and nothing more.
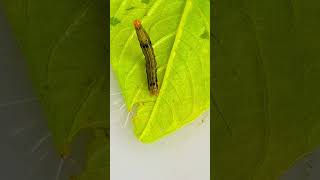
(179, 33)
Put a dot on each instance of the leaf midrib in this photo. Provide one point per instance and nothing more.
(182, 21)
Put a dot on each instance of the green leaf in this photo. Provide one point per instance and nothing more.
(176, 29)
(97, 161)
(265, 73)
(64, 43)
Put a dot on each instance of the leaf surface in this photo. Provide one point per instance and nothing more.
(97, 160)
(65, 47)
(64, 43)
(265, 69)
(179, 33)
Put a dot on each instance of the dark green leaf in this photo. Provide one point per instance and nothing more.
(265, 72)
(97, 161)
(64, 43)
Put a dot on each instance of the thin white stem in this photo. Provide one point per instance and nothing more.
(127, 119)
(41, 140)
(122, 106)
(59, 169)
(118, 93)
(19, 101)
(21, 129)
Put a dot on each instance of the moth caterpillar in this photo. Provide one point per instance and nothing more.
(151, 64)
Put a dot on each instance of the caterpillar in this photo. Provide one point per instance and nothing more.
(151, 64)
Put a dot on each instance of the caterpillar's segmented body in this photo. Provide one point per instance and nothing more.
(151, 64)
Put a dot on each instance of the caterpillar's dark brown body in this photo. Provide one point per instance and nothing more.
(151, 64)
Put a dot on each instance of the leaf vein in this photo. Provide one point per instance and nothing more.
(178, 35)
(63, 37)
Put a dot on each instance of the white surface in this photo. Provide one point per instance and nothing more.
(183, 155)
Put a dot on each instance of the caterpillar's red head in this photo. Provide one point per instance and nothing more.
(137, 24)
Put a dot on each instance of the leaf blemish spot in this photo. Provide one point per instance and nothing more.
(205, 35)
(114, 21)
(145, 1)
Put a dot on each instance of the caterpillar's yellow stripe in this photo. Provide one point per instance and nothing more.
(151, 64)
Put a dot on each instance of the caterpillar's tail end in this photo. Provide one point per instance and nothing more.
(137, 24)
(154, 92)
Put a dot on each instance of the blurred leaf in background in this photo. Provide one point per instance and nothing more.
(97, 162)
(179, 31)
(265, 71)
(65, 45)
